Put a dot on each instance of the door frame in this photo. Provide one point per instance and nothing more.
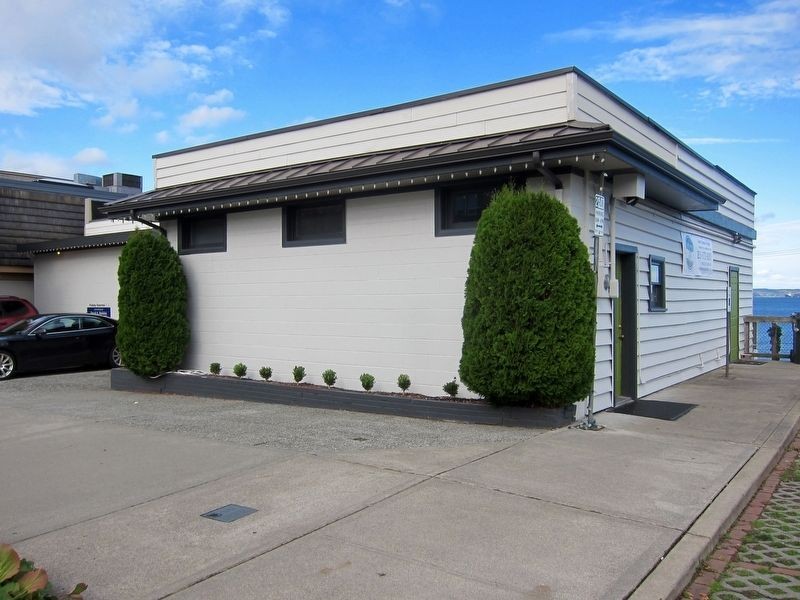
(733, 325)
(626, 362)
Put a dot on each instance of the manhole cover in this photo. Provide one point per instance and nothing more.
(229, 513)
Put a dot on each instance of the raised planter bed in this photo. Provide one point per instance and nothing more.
(214, 386)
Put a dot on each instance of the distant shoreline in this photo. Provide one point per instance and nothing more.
(770, 293)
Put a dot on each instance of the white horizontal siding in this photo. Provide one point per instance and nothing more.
(690, 337)
(595, 106)
(527, 105)
(604, 356)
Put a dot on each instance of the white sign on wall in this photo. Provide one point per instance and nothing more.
(599, 214)
(698, 255)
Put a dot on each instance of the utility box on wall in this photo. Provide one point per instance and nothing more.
(629, 186)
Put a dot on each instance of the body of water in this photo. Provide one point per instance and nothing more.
(775, 307)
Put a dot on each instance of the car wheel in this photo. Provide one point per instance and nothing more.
(114, 358)
(8, 365)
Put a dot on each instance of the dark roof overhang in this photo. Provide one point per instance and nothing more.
(534, 150)
(76, 243)
(714, 218)
(60, 189)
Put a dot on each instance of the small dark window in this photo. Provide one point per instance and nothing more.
(314, 224)
(60, 325)
(658, 293)
(134, 181)
(10, 308)
(93, 323)
(458, 208)
(202, 234)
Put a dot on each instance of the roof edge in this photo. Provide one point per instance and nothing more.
(77, 243)
(378, 111)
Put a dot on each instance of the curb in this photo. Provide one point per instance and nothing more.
(677, 568)
(211, 386)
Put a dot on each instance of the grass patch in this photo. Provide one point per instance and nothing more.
(792, 473)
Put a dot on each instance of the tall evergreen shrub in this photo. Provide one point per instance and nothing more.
(529, 312)
(153, 328)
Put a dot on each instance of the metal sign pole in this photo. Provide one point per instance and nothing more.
(728, 334)
(589, 422)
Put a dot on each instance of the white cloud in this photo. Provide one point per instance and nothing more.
(205, 116)
(23, 94)
(84, 53)
(37, 163)
(117, 112)
(748, 54)
(222, 96)
(163, 137)
(277, 15)
(764, 217)
(776, 255)
(91, 156)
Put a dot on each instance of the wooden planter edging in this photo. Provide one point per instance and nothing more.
(211, 386)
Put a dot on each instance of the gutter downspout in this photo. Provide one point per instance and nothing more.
(150, 224)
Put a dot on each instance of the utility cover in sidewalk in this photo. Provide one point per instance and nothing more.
(656, 409)
(229, 513)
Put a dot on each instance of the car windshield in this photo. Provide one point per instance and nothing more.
(22, 325)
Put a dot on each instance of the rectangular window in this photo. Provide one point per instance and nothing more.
(658, 293)
(202, 234)
(458, 207)
(314, 224)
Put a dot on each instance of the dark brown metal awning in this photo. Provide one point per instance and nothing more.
(362, 173)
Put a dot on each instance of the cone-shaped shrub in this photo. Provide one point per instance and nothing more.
(153, 329)
(529, 311)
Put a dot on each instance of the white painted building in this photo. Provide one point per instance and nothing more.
(79, 273)
(344, 243)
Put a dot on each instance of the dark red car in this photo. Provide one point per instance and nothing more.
(13, 309)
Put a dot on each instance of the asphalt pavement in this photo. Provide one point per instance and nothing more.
(108, 488)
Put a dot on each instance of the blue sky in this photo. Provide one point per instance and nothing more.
(97, 87)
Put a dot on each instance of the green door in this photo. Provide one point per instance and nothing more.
(733, 332)
(618, 333)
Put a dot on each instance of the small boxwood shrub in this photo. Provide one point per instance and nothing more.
(298, 373)
(403, 382)
(529, 309)
(215, 368)
(153, 330)
(451, 387)
(265, 373)
(329, 377)
(367, 381)
(240, 370)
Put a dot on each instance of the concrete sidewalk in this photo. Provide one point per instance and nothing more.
(108, 487)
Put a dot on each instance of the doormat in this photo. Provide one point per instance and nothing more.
(655, 409)
(749, 362)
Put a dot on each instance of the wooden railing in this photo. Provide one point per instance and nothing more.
(768, 337)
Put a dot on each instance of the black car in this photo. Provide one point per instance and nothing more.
(58, 341)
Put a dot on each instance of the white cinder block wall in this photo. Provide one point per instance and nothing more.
(389, 301)
(72, 280)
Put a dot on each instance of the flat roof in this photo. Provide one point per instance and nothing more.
(458, 94)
